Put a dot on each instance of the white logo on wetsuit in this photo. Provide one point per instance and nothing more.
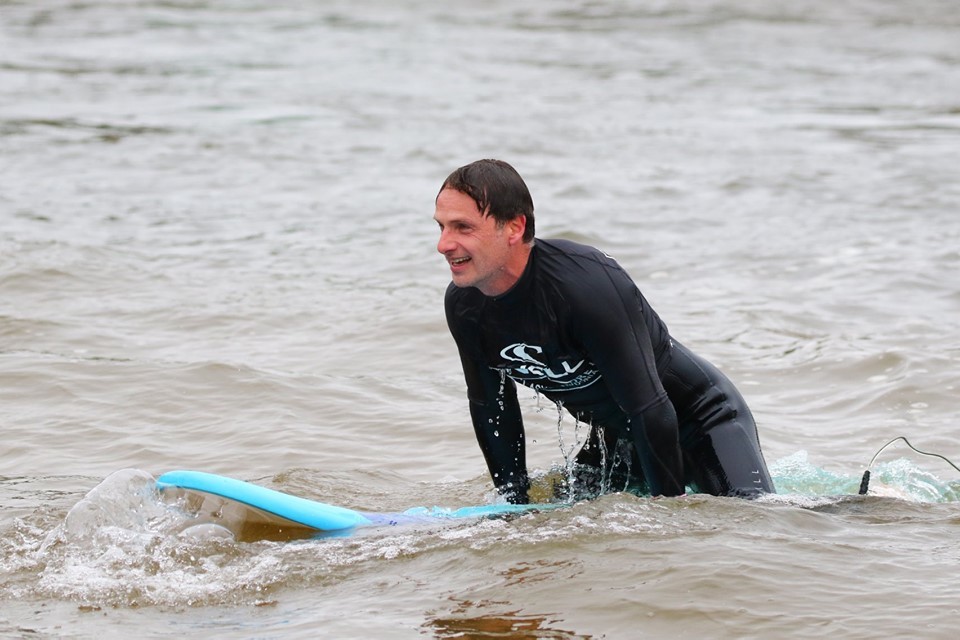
(518, 353)
(564, 377)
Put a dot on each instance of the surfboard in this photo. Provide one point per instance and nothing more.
(251, 512)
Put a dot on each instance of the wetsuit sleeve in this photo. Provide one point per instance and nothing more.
(496, 416)
(610, 324)
(498, 424)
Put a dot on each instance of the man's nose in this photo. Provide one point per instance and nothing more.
(444, 244)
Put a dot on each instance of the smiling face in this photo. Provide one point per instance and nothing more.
(481, 253)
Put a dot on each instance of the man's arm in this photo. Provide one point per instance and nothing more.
(611, 326)
(655, 436)
(494, 411)
(498, 424)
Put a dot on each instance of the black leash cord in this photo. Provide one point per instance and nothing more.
(865, 481)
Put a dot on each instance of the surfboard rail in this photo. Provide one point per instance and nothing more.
(254, 512)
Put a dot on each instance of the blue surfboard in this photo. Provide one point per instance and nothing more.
(251, 512)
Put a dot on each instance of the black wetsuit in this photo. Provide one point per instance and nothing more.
(576, 328)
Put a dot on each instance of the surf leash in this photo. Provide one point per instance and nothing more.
(865, 481)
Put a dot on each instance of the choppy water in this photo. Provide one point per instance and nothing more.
(217, 252)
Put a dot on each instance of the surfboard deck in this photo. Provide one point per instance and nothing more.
(251, 512)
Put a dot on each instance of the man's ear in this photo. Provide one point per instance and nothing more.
(516, 228)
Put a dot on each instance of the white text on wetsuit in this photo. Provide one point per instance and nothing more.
(563, 376)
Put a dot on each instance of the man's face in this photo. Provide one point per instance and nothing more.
(475, 246)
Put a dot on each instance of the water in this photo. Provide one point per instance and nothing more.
(217, 253)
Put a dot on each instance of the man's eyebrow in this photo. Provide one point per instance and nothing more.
(457, 219)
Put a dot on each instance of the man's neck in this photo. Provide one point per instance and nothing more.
(512, 271)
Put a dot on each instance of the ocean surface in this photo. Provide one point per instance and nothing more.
(217, 253)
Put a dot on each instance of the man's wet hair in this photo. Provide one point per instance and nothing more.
(498, 190)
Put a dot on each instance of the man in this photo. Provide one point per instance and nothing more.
(567, 320)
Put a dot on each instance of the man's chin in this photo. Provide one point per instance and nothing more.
(461, 281)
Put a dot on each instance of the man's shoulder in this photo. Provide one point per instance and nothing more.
(581, 274)
(562, 254)
(564, 246)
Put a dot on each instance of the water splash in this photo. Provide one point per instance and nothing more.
(124, 500)
(793, 475)
(796, 475)
(121, 546)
